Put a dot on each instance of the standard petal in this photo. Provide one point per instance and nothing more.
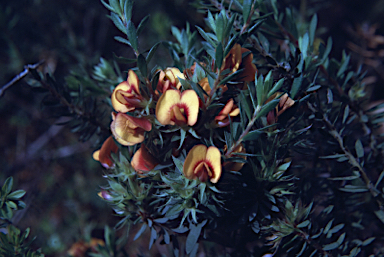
(190, 99)
(116, 104)
(213, 157)
(133, 81)
(195, 156)
(104, 156)
(164, 104)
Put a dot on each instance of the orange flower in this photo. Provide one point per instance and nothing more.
(178, 108)
(126, 96)
(143, 161)
(233, 61)
(129, 130)
(285, 103)
(169, 79)
(230, 109)
(103, 155)
(203, 163)
(235, 166)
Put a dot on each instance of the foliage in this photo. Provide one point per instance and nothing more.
(12, 240)
(254, 135)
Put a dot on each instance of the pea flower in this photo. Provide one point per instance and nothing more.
(169, 79)
(126, 96)
(143, 161)
(231, 110)
(284, 103)
(174, 107)
(103, 155)
(203, 163)
(234, 61)
(129, 130)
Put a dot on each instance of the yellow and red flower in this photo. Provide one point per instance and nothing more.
(103, 155)
(143, 161)
(169, 79)
(285, 103)
(129, 130)
(231, 110)
(126, 96)
(203, 163)
(174, 107)
(234, 61)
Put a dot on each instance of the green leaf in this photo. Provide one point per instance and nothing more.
(128, 9)
(247, 4)
(264, 42)
(16, 195)
(219, 55)
(353, 189)
(327, 50)
(7, 187)
(346, 113)
(152, 52)
(142, 24)
(205, 36)
(132, 36)
(142, 65)
(343, 66)
(276, 87)
(252, 135)
(118, 22)
(296, 86)
(220, 27)
(107, 6)
(124, 41)
(359, 148)
(380, 215)
(179, 164)
(368, 241)
(312, 29)
(141, 231)
(267, 108)
(116, 6)
(303, 224)
(193, 236)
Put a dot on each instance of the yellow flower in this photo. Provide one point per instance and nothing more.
(169, 79)
(233, 61)
(129, 130)
(203, 163)
(174, 107)
(230, 109)
(103, 155)
(126, 96)
(143, 161)
(285, 103)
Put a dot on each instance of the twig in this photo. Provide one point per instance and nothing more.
(20, 76)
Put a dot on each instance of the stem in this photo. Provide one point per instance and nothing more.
(245, 132)
(352, 160)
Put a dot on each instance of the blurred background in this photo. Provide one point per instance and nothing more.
(48, 161)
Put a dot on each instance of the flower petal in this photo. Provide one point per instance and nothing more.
(195, 156)
(116, 104)
(143, 161)
(133, 81)
(213, 156)
(104, 154)
(191, 101)
(129, 130)
(164, 104)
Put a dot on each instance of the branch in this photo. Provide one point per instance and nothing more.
(20, 76)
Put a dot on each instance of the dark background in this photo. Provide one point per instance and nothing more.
(48, 161)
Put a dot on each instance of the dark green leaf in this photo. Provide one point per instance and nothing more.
(253, 135)
(219, 55)
(312, 29)
(359, 148)
(118, 22)
(142, 65)
(193, 236)
(142, 24)
(152, 52)
(267, 108)
(7, 187)
(141, 231)
(220, 26)
(128, 9)
(247, 4)
(124, 41)
(296, 86)
(132, 36)
(116, 6)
